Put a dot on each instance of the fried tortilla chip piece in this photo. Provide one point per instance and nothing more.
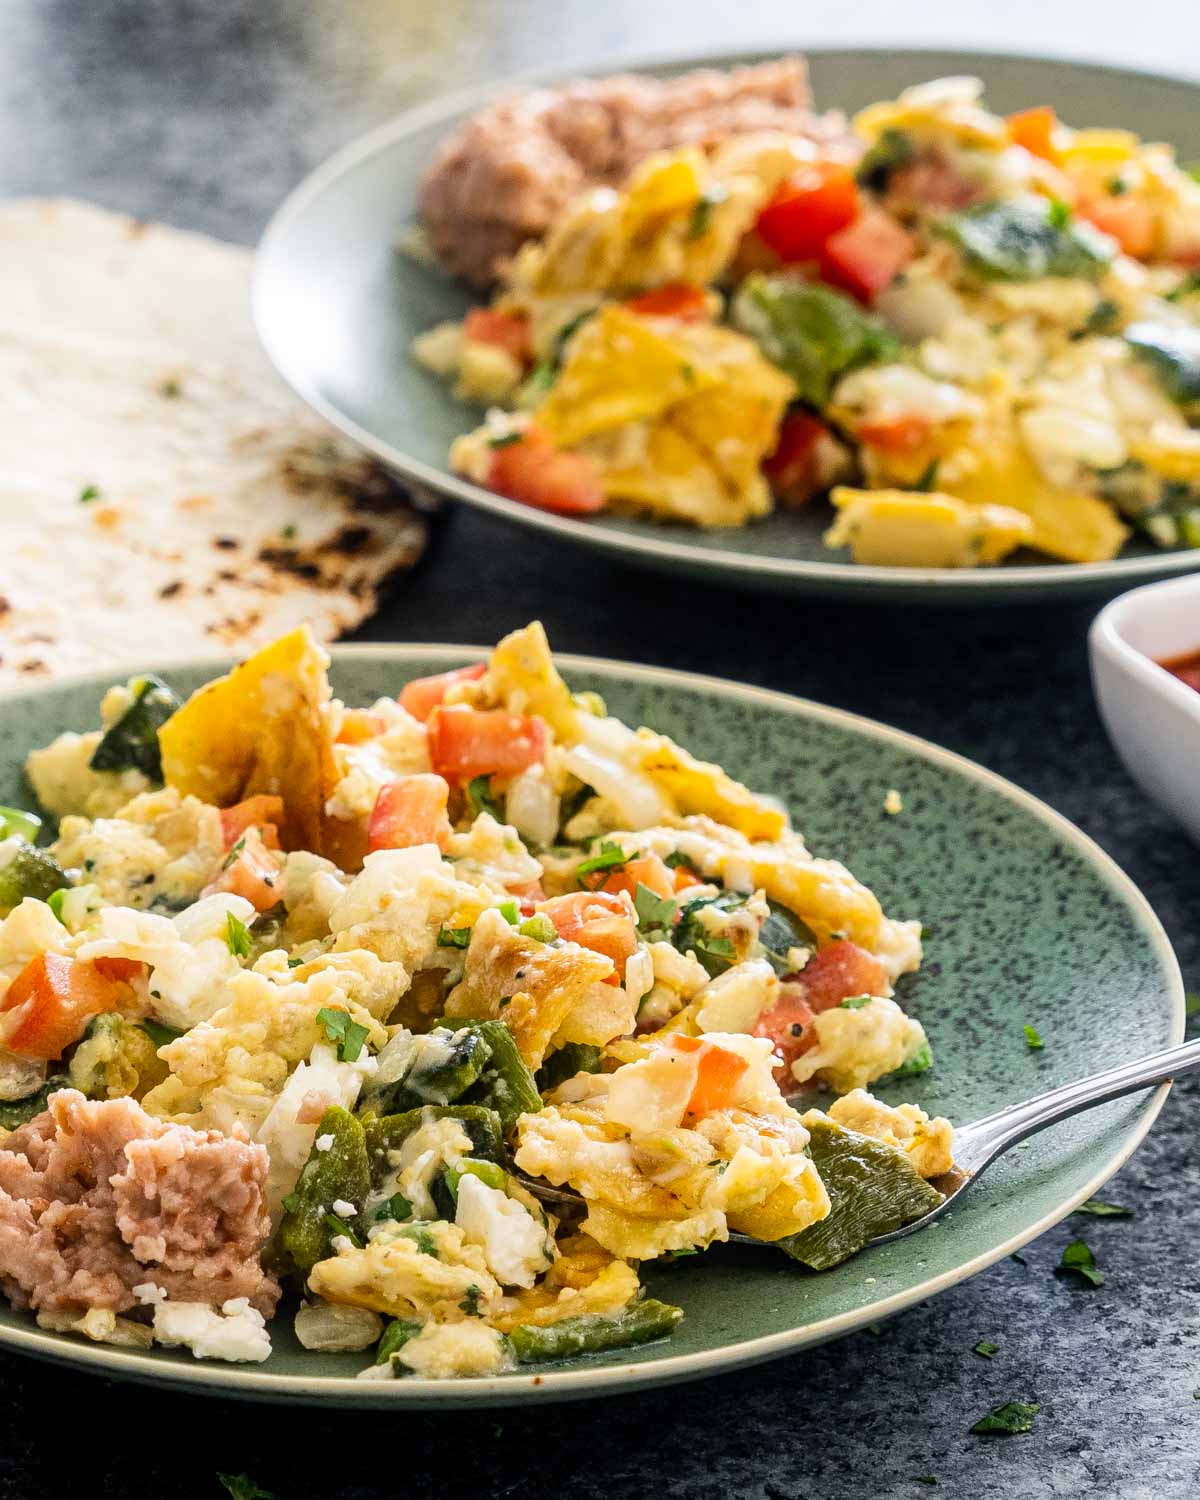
(262, 728)
(531, 986)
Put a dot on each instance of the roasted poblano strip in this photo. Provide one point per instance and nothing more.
(873, 1188)
(639, 1323)
(395, 1336)
(482, 1127)
(566, 1062)
(339, 1172)
(15, 1112)
(131, 743)
(26, 871)
(505, 1084)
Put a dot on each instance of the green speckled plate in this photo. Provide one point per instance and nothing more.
(337, 309)
(1029, 921)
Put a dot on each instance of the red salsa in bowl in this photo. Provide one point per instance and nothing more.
(1186, 667)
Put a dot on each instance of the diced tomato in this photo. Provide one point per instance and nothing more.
(647, 870)
(793, 470)
(685, 877)
(506, 330)
(253, 872)
(817, 202)
(839, 970)
(902, 434)
(467, 742)
(262, 812)
(867, 255)
(834, 973)
(423, 694)
(787, 1024)
(718, 1073)
(50, 1002)
(1034, 129)
(360, 725)
(595, 920)
(537, 473)
(678, 299)
(410, 811)
(1129, 220)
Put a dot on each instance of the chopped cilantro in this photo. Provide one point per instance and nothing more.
(242, 1487)
(395, 1207)
(688, 372)
(55, 901)
(655, 914)
(1116, 186)
(1101, 1210)
(288, 532)
(611, 857)
(1032, 1040)
(675, 860)
(1077, 1257)
(856, 1002)
(294, 963)
(505, 439)
(348, 1034)
(1058, 215)
(1189, 284)
(237, 936)
(421, 1238)
(920, 1062)
(231, 857)
(171, 389)
(89, 493)
(159, 1034)
(470, 1302)
(454, 937)
(337, 1225)
(1012, 1417)
(702, 213)
(1020, 1259)
(1102, 319)
(479, 795)
(928, 479)
(986, 1349)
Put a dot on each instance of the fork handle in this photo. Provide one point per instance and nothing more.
(997, 1132)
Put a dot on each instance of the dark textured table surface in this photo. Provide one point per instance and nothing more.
(204, 114)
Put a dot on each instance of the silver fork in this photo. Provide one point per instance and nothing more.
(977, 1146)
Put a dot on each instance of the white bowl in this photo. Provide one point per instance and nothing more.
(1152, 718)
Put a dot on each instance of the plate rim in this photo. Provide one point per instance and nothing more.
(734, 567)
(254, 1384)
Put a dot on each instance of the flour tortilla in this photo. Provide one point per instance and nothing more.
(161, 491)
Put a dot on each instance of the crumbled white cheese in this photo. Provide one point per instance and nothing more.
(323, 1142)
(343, 1209)
(513, 1243)
(149, 1293)
(237, 1332)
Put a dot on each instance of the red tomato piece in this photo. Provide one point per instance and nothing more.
(904, 434)
(124, 970)
(685, 877)
(506, 330)
(787, 1024)
(678, 299)
(1129, 220)
(467, 742)
(537, 473)
(410, 811)
(595, 920)
(867, 255)
(253, 873)
(1034, 129)
(423, 694)
(792, 470)
(839, 970)
(647, 870)
(718, 1073)
(817, 202)
(261, 811)
(360, 725)
(50, 1002)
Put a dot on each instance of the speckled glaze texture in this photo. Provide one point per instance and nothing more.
(1028, 923)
